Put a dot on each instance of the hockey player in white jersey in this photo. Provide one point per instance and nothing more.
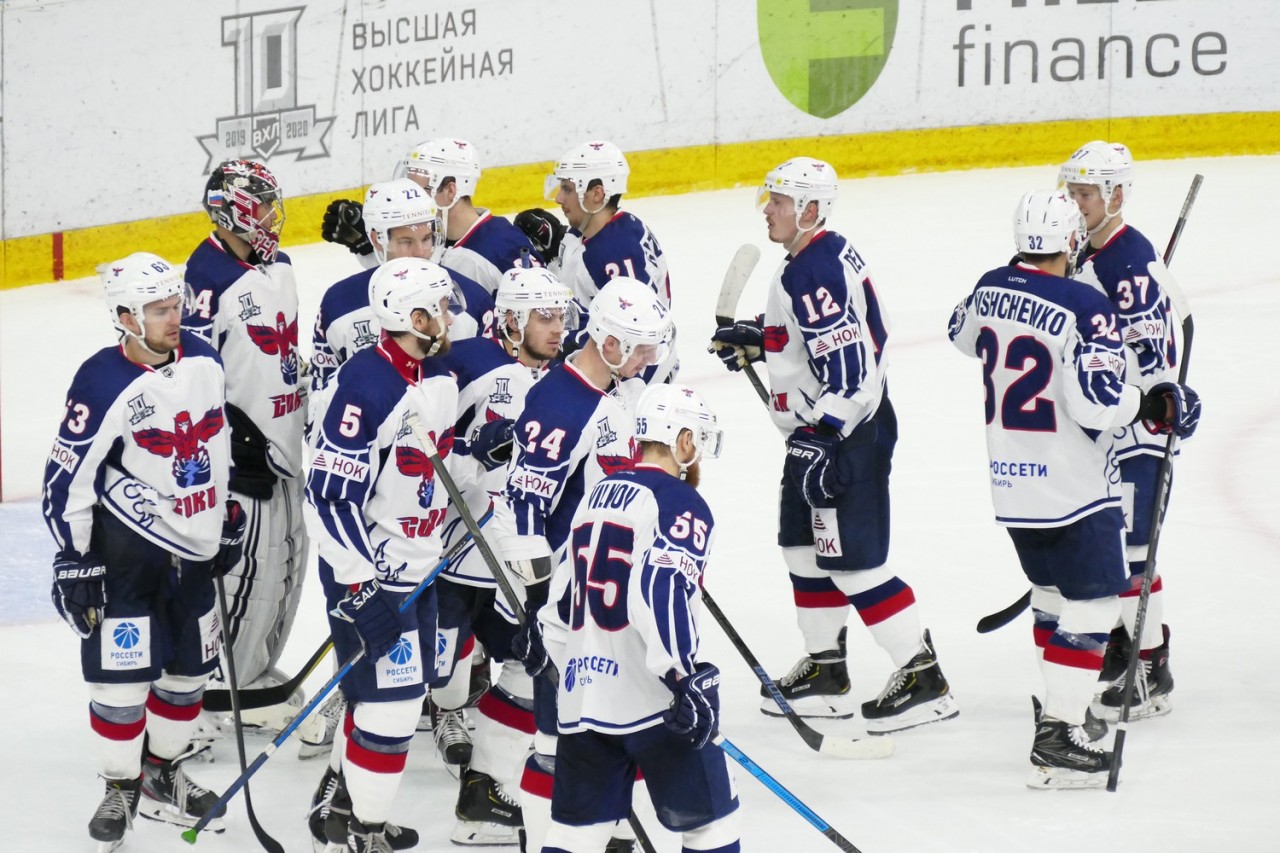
(822, 337)
(134, 495)
(1053, 373)
(376, 510)
(535, 310)
(575, 429)
(1121, 263)
(622, 629)
(246, 307)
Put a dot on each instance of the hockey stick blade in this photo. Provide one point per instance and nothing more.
(854, 748)
(1000, 618)
(735, 279)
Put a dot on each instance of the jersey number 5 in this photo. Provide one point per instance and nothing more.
(1021, 407)
(600, 576)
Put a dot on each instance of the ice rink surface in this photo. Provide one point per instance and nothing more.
(1199, 779)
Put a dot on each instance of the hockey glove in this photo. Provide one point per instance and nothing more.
(492, 443)
(344, 224)
(543, 229)
(231, 548)
(372, 610)
(810, 463)
(1186, 409)
(739, 343)
(80, 591)
(695, 709)
(527, 646)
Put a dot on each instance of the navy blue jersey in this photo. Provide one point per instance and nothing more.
(491, 246)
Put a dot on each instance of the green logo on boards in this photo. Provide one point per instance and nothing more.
(824, 55)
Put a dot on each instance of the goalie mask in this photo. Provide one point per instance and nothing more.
(665, 411)
(591, 161)
(244, 197)
(1045, 222)
(135, 282)
(804, 180)
(404, 285)
(396, 204)
(525, 290)
(444, 159)
(630, 312)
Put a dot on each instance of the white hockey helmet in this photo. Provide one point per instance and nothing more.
(524, 290)
(443, 158)
(1105, 165)
(631, 312)
(239, 195)
(666, 410)
(134, 282)
(1044, 222)
(591, 161)
(403, 285)
(391, 204)
(805, 180)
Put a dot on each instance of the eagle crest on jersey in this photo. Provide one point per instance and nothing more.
(282, 340)
(414, 462)
(191, 466)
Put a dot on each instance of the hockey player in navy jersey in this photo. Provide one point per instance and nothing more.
(134, 495)
(246, 306)
(535, 310)
(1053, 373)
(622, 628)
(822, 337)
(576, 428)
(1121, 263)
(376, 509)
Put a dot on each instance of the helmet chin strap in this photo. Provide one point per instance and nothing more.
(1107, 216)
(433, 341)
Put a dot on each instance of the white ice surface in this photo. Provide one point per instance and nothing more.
(1199, 779)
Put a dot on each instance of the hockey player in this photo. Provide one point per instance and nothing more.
(822, 337)
(635, 693)
(1120, 262)
(377, 518)
(494, 376)
(575, 429)
(134, 496)
(1053, 370)
(246, 307)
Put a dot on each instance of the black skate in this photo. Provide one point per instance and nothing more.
(916, 695)
(487, 814)
(168, 795)
(1155, 683)
(330, 817)
(620, 845)
(1062, 756)
(453, 741)
(817, 686)
(115, 813)
(1094, 726)
(371, 838)
(1115, 659)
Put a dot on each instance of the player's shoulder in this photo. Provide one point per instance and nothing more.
(818, 261)
(564, 396)
(347, 295)
(194, 346)
(474, 292)
(211, 267)
(1127, 249)
(102, 378)
(621, 234)
(472, 358)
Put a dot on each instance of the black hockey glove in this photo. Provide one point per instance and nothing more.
(527, 646)
(372, 610)
(1186, 409)
(231, 548)
(543, 229)
(739, 343)
(80, 591)
(344, 224)
(811, 454)
(695, 708)
(492, 443)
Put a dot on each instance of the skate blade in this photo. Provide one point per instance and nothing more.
(940, 709)
(1063, 779)
(1155, 707)
(162, 813)
(108, 846)
(814, 707)
(480, 834)
(313, 750)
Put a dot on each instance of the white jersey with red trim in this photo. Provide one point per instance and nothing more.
(150, 445)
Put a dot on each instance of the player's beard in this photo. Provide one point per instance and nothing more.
(693, 474)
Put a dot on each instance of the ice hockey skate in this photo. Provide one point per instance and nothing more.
(816, 687)
(453, 741)
(1094, 726)
(329, 818)
(1062, 756)
(273, 718)
(1151, 698)
(1115, 659)
(115, 813)
(915, 695)
(487, 814)
(367, 839)
(316, 731)
(169, 796)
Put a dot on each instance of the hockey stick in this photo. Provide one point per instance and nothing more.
(735, 279)
(191, 834)
(491, 560)
(1000, 618)
(856, 748)
(786, 796)
(1160, 507)
(268, 843)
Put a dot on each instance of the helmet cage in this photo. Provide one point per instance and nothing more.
(239, 196)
